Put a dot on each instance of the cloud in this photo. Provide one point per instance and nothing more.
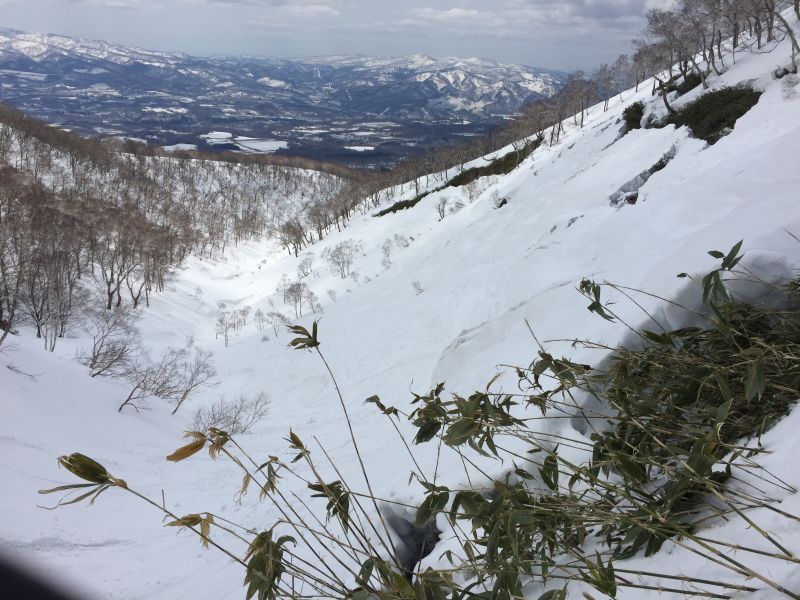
(566, 12)
(122, 4)
(298, 8)
(456, 15)
(312, 10)
(558, 33)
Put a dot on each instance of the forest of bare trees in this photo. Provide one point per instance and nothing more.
(86, 224)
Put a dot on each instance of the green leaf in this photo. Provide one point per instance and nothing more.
(95, 491)
(295, 440)
(523, 473)
(427, 430)
(305, 340)
(338, 500)
(724, 387)
(631, 467)
(756, 380)
(85, 468)
(555, 594)
(662, 339)
(731, 260)
(549, 471)
(366, 572)
(722, 411)
(461, 431)
(434, 503)
(63, 488)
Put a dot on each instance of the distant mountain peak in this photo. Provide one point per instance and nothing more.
(317, 104)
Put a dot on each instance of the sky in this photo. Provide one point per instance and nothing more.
(559, 34)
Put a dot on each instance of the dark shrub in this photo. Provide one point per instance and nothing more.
(632, 115)
(662, 162)
(500, 166)
(403, 204)
(713, 112)
(691, 81)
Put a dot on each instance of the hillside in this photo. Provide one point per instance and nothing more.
(434, 300)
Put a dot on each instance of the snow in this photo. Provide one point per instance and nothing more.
(92, 71)
(101, 89)
(275, 83)
(260, 145)
(361, 148)
(165, 110)
(217, 136)
(38, 46)
(24, 74)
(177, 147)
(246, 144)
(483, 272)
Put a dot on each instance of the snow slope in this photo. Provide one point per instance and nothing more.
(482, 271)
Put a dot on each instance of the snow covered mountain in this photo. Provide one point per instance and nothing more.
(384, 107)
(437, 298)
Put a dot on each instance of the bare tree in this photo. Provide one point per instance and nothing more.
(114, 343)
(296, 294)
(174, 377)
(473, 190)
(305, 266)
(233, 416)
(14, 250)
(196, 373)
(293, 236)
(401, 241)
(276, 321)
(340, 258)
(224, 327)
(260, 319)
(312, 300)
(441, 207)
(283, 287)
(242, 315)
(141, 378)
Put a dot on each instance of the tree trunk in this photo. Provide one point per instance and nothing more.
(670, 110)
(129, 399)
(759, 31)
(793, 38)
(713, 61)
(181, 401)
(771, 9)
(702, 74)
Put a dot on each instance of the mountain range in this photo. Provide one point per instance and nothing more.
(347, 108)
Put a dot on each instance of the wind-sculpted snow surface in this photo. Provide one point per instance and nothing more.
(447, 302)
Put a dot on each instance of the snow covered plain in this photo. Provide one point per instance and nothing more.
(482, 272)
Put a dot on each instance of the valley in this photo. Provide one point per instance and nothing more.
(318, 108)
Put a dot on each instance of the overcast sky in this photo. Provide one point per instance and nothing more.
(563, 34)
